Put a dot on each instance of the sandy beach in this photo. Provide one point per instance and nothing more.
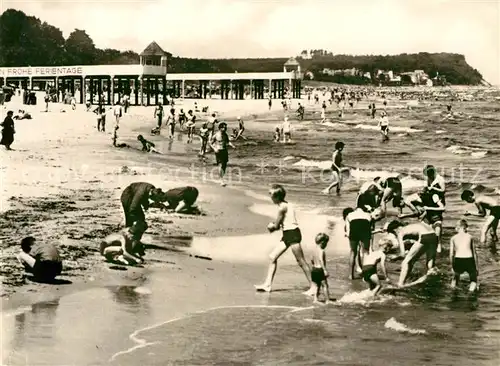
(62, 184)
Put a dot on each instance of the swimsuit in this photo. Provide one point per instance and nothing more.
(317, 275)
(360, 229)
(461, 265)
(290, 237)
(495, 212)
(368, 271)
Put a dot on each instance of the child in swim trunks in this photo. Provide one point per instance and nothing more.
(484, 203)
(286, 220)
(319, 274)
(463, 256)
(370, 263)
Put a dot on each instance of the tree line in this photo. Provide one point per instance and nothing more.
(27, 41)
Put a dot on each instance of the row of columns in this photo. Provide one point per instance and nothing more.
(147, 90)
(235, 89)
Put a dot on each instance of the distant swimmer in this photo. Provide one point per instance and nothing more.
(484, 204)
(337, 168)
(125, 246)
(422, 239)
(147, 145)
(369, 268)
(383, 124)
(286, 220)
(180, 199)
(319, 274)
(135, 198)
(358, 229)
(463, 256)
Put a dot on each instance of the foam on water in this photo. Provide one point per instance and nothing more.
(364, 297)
(439, 132)
(359, 175)
(336, 125)
(467, 150)
(392, 128)
(393, 324)
(141, 343)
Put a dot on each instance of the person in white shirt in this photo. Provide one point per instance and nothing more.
(383, 124)
(292, 238)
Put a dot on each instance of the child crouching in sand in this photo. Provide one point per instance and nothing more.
(319, 274)
(292, 237)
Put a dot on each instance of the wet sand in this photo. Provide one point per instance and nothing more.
(62, 183)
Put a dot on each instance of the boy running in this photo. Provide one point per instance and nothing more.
(463, 256)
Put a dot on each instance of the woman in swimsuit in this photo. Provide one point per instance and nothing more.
(292, 237)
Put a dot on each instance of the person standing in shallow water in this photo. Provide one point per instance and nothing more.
(219, 143)
(286, 220)
(8, 131)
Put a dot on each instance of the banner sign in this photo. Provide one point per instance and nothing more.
(40, 71)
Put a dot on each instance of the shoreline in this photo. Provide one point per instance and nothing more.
(53, 192)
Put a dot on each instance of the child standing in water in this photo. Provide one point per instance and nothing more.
(369, 268)
(463, 256)
(319, 274)
(286, 220)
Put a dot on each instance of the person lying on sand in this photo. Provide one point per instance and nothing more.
(147, 145)
(135, 198)
(180, 199)
(463, 256)
(286, 220)
(21, 114)
(125, 246)
(369, 268)
(42, 260)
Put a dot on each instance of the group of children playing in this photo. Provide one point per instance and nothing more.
(409, 240)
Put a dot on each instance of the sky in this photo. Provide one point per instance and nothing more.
(283, 28)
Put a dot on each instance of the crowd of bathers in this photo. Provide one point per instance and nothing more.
(406, 241)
